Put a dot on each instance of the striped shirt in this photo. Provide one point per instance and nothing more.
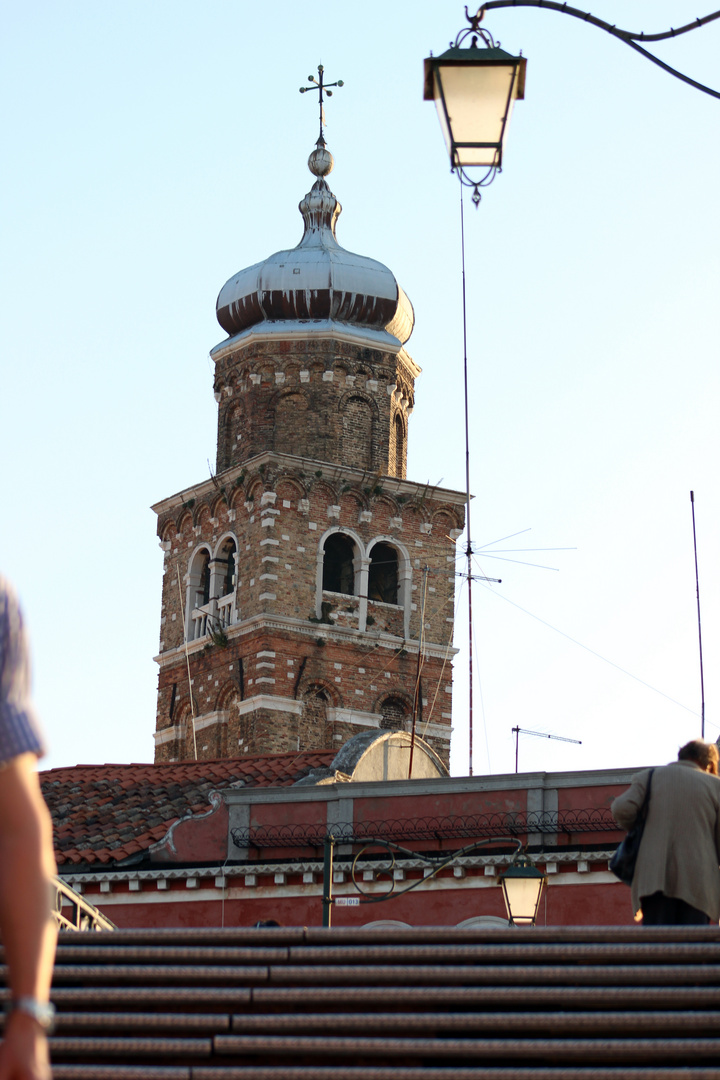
(19, 730)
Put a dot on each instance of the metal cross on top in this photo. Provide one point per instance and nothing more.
(321, 87)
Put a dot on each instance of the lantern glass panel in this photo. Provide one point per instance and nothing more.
(478, 102)
(522, 896)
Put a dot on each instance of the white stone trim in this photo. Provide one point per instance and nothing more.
(269, 701)
(436, 731)
(354, 716)
(207, 720)
(165, 735)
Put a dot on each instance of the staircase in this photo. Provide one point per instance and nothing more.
(423, 1004)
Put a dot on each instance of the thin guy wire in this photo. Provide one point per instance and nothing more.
(592, 651)
(697, 593)
(187, 660)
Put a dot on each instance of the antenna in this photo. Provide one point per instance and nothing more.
(542, 735)
(697, 594)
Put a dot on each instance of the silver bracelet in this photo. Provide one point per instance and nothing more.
(42, 1012)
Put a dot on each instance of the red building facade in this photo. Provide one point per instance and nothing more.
(255, 853)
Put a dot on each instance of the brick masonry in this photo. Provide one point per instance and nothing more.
(312, 441)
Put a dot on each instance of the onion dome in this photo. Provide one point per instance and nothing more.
(318, 279)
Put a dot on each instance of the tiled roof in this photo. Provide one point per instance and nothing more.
(105, 813)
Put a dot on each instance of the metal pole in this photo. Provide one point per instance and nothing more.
(416, 695)
(467, 494)
(327, 879)
(697, 594)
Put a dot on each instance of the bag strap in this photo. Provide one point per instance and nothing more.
(642, 813)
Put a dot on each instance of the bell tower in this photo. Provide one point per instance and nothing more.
(308, 585)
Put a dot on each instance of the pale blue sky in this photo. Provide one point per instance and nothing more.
(153, 149)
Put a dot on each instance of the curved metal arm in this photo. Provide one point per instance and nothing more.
(627, 36)
(441, 862)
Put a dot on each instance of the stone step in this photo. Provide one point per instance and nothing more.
(427, 1004)
(610, 1024)
(636, 952)
(394, 1072)
(395, 974)
(431, 1051)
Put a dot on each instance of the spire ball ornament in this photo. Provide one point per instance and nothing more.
(321, 162)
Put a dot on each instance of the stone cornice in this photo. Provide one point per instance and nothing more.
(287, 623)
(330, 471)
(315, 330)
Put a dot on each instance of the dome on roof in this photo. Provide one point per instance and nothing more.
(318, 279)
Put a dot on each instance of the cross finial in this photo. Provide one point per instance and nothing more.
(322, 87)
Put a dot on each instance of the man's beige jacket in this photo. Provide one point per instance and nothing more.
(680, 849)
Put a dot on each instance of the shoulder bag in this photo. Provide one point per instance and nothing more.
(623, 861)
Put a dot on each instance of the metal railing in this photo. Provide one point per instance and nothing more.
(436, 828)
(81, 914)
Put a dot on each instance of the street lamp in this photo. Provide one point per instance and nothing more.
(474, 89)
(522, 886)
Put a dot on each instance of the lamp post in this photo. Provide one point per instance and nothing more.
(522, 885)
(474, 90)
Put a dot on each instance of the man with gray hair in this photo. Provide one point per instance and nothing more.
(677, 879)
(27, 863)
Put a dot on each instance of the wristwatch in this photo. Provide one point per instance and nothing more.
(42, 1012)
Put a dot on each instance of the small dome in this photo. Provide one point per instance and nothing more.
(318, 279)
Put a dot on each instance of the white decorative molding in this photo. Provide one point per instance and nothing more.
(269, 701)
(354, 716)
(165, 735)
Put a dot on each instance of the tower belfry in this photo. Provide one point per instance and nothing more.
(308, 586)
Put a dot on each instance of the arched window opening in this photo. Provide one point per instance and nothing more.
(312, 731)
(290, 422)
(225, 579)
(399, 446)
(198, 595)
(394, 714)
(383, 574)
(357, 434)
(338, 565)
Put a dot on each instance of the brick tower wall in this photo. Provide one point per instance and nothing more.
(326, 655)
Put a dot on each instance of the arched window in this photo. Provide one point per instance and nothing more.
(223, 590)
(383, 574)
(312, 730)
(394, 714)
(198, 595)
(290, 421)
(357, 433)
(399, 446)
(339, 565)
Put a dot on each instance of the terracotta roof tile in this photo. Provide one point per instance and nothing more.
(105, 813)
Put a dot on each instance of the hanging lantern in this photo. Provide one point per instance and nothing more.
(522, 886)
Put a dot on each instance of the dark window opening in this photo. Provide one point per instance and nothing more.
(383, 575)
(394, 713)
(338, 568)
(399, 446)
(202, 591)
(227, 568)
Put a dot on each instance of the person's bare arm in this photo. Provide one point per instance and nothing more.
(27, 927)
